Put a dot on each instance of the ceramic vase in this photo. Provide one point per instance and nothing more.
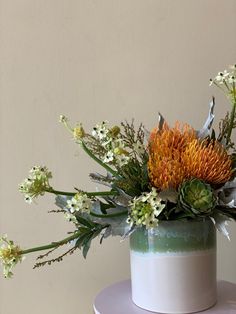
(173, 266)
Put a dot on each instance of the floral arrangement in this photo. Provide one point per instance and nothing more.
(167, 174)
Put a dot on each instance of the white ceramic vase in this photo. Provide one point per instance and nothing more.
(173, 266)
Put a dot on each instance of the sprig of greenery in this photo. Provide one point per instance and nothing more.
(94, 145)
(227, 211)
(134, 178)
(83, 236)
(226, 81)
(131, 137)
(88, 231)
(225, 129)
(90, 153)
(53, 260)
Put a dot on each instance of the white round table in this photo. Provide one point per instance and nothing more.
(116, 299)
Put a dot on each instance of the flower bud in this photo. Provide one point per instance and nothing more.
(78, 132)
(114, 131)
(120, 151)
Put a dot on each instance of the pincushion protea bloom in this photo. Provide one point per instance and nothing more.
(165, 155)
(207, 161)
(176, 154)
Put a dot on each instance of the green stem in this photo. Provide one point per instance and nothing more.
(219, 86)
(88, 151)
(60, 192)
(125, 212)
(105, 193)
(231, 123)
(226, 85)
(102, 193)
(52, 245)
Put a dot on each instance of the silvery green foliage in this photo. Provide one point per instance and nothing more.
(61, 201)
(161, 121)
(227, 199)
(226, 207)
(170, 195)
(117, 225)
(227, 194)
(221, 222)
(122, 199)
(205, 131)
(100, 179)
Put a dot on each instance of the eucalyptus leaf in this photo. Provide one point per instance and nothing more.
(80, 240)
(86, 248)
(117, 226)
(61, 201)
(101, 179)
(205, 131)
(96, 208)
(123, 199)
(161, 121)
(169, 195)
(131, 229)
(104, 207)
(221, 223)
(83, 221)
(227, 194)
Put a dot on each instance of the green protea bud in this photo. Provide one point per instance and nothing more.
(196, 196)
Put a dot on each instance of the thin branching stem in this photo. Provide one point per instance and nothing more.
(124, 212)
(88, 151)
(52, 245)
(231, 122)
(89, 194)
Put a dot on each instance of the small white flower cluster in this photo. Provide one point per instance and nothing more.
(226, 78)
(10, 255)
(70, 217)
(145, 209)
(101, 130)
(139, 148)
(113, 144)
(36, 184)
(80, 202)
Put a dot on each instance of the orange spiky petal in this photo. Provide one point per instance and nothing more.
(207, 161)
(165, 155)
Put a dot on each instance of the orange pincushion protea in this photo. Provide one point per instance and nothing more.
(175, 154)
(207, 161)
(165, 155)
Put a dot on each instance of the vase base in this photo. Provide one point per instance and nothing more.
(174, 283)
(192, 311)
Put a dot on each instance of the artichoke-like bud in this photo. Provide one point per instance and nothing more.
(197, 197)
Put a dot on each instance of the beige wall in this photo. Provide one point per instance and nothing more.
(95, 60)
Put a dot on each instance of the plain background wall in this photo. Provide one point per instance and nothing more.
(93, 60)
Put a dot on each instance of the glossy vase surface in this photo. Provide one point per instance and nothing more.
(173, 266)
